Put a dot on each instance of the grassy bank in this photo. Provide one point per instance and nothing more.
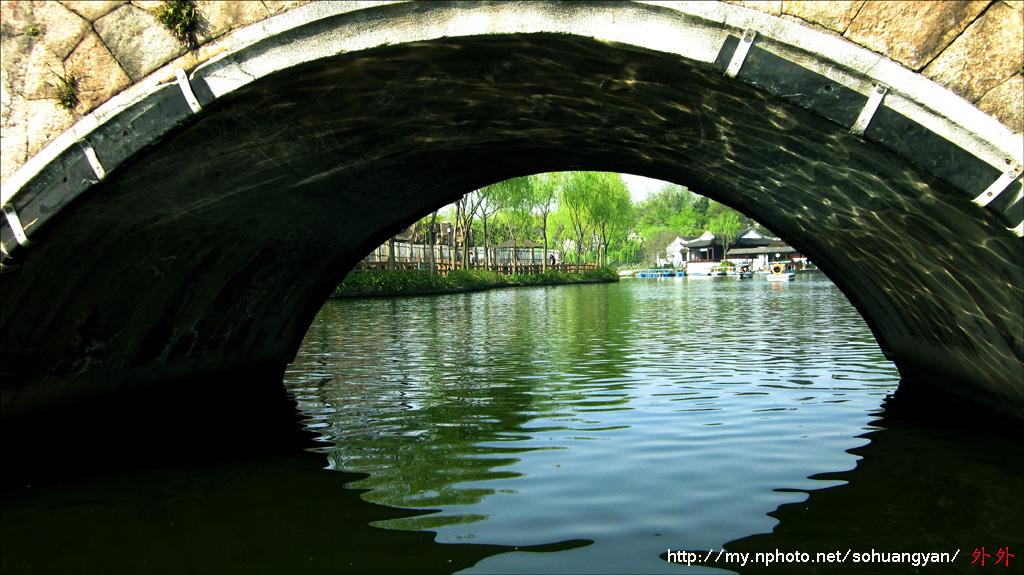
(412, 282)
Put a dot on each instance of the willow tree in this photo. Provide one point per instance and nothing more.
(611, 208)
(514, 203)
(725, 226)
(574, 203)
(466, 209)
(486, 208)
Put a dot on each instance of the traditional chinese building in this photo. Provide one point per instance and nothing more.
(750, 248)
(762, 257)
(709, 248)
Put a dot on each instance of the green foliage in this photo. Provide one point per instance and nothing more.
(611, 211)
(516, 200)
(657, 240)
(34, 31)
(67, 91)
(663, 208)
(590, 217)
(604, 273)
(575, 204)
(701, 206)
(381, 282)
(726, 225)
(626, 251)
(475, 278)
(671, 212)
(375, 282)
(181, 17)
(550, 277)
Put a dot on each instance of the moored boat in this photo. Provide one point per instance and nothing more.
(779, 273)
(658, 273)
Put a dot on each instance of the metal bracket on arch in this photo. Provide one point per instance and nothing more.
(186, 90)
(741, 53)
(997, 187)
(15, 222)
(94, 162)
(869, 109)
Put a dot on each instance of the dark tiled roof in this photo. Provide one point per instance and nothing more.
(761, 250)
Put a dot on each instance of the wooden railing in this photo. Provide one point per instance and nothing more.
(443, 267)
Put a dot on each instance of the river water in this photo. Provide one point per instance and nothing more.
(604, 428)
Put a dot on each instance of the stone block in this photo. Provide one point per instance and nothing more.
(276, 6)
(13, 127)
(40, 72)
(56, 27)
(60, 29)
(138, 41)
(1006, 103)
(165, 74)
(217, 18)
(835, 16)
(15, 41)
(15, 17)
(912, 32)
(92, 10)
(773, 7)
(989, 52)
(46, 120)
(15, 152)
(100, 76)
(148, 5)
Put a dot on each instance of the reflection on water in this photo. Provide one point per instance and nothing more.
(643, 416)
(570, 429)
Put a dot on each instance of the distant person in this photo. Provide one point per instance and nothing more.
(552, 259)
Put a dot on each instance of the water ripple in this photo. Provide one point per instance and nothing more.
(686, 409)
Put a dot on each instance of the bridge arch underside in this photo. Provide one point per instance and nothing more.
(212, 250)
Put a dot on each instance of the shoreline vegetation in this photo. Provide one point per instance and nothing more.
(373, 283)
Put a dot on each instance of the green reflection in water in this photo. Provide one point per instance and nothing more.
(440, 396)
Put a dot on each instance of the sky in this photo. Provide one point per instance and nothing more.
(640, 187)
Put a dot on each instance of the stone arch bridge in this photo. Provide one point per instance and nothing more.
(192, 213)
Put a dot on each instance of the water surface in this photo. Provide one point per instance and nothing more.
(641, 417)
(562, 429)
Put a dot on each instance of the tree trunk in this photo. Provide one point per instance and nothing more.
(391, 253)
(452, 248)
(487, 245)
(431, 240)
(544, 237)
(467, 221)
(602, 258)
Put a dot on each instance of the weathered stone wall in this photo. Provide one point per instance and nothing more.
(108, 46)
(974, 48)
